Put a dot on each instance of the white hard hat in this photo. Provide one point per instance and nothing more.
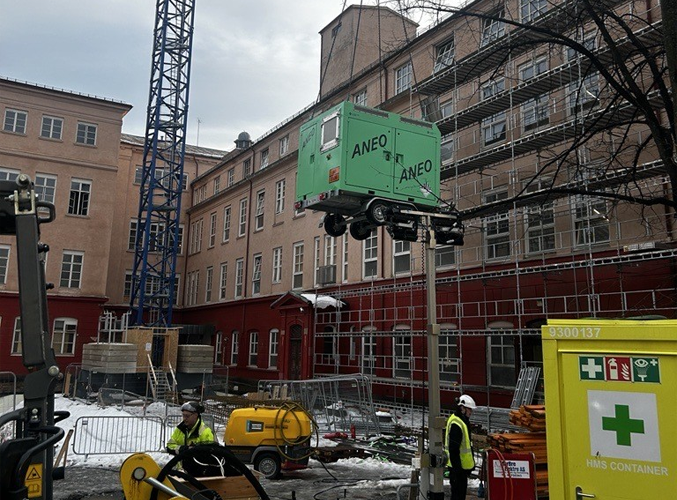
(467, 401)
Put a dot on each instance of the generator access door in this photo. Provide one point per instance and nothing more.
(611, 405)
(369, 155)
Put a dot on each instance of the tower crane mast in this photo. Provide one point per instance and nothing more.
(162, 180)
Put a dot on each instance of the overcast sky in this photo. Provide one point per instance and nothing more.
(255, 62)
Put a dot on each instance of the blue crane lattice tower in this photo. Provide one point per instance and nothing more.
(162, 181)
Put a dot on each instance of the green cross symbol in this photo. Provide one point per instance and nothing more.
(623, 425)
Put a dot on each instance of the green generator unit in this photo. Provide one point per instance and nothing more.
(364, 166)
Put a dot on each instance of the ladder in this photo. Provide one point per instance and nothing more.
(526, 386)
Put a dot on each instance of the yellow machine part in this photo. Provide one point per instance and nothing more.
(134, 470)
(267, 426)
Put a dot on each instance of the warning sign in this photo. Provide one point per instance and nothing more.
(33, 481)
(619, 369)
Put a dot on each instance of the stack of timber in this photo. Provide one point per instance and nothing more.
(531, 418)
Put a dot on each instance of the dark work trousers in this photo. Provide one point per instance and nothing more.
(458, 479)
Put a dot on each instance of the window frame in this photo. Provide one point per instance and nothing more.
(86, 134)
(370, 244)
(51, 123)
(17, 124)
(239, 278)
(280, 193)
(297, 270)
(403, 77)
(61, 338)
(223, 280)
(68, 267)
(253, 355)
(79, 199)
(277, 265)
(273, 346)
(242, 222)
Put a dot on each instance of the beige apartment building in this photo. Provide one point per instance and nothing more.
(73, 148)
(253, 267)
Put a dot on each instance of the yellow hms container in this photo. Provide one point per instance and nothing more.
(611, 399)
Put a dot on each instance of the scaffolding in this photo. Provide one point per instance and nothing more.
(534, 248)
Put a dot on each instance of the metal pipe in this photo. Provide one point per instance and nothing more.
(162, 487)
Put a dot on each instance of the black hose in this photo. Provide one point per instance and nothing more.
(219, 451)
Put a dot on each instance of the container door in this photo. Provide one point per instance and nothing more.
(416, 170)
(618, 413)
(369, 156)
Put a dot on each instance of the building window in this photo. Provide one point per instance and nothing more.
(329, 250)
(212, 229)
(403, 78)
(234, 347)
(540, 221)
(256, 275)
(51, 128)
(161, 178)
(239, 278)
(226, 223)
(242, 226)
(316, 260)
(401, 257)
(260, 206)
(297, 277)
(218, 348)
(345, 258)
(583, 94)
(16, 336)
(532, 69)
(208, 284)
(531, 9)
(86, 134)
(231, 176)
(71, 269)
(223, 280)
(45, 187)
(402, 352)
(497, 229)
(277, 265)
(217, 184)
(445, 56)
(368, 350)
(448, 355)
(370, 255)
(4, 263)
(493, 28)
(8, 174)
(78, 203)
(284, 145)
(280, 188)
(273, 345)
(247, 167)
(15, 121)
(493, 129)
(253, 348)
(64, 335)
(535, 113)
(360, 98)
(591, 221)
(501, 360)
(193, 288)
(445, 256)
(127, 287)
(264, 159)
(196, 236)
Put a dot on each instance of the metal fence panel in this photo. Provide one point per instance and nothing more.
(97, 435)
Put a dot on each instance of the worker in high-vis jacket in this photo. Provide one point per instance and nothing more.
(457, 444)
(192, 431)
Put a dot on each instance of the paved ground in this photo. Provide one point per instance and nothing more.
(338, 481)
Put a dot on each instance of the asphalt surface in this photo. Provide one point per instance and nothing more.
(337, 481)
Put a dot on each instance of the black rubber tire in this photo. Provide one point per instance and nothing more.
(376, 212)
(360, 230)
(269, 465)
(335, 225)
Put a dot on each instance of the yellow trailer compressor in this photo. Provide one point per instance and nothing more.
(611, 395)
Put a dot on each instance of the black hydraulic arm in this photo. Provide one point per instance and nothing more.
(26, 462)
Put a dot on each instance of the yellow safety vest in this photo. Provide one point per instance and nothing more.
(467, 458)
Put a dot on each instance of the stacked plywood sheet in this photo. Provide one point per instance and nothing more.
(532, 418)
